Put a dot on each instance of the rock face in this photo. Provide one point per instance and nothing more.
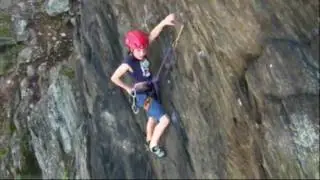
(55, 7)
(285, 81)
(242, 91)
(56, 128)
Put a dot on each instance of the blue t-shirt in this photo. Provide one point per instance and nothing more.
(141, 69)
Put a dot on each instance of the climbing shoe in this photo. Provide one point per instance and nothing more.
(158, 151)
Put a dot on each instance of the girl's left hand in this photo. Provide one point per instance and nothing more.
(169, 20)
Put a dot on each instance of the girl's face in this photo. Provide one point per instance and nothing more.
(139, 53)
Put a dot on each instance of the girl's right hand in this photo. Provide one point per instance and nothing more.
(140, 85)
(129, 91)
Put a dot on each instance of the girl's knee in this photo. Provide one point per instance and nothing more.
(152, 121)
(165, 120)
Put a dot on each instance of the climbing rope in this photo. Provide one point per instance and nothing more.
(174, 44)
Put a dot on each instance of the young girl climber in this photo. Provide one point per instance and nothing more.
(137, 65)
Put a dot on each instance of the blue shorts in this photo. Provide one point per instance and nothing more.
(155, 110)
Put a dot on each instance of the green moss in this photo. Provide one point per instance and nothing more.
(5, 66)
(30, 168)
(5, 21)
(3, 152)
(4, 31)
(65, 174)
(12, 128)
(8, 58)
(8, 53)
(68, 72)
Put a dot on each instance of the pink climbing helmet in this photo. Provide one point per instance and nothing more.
(136, 39)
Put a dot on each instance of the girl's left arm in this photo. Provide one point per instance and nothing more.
(155, 32)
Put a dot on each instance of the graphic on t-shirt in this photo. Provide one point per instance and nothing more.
(144, 65)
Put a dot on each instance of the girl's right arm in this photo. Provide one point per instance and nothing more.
(116, 77)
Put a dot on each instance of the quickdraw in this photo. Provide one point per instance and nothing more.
(134, 107)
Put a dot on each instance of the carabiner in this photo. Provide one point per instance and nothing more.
(134, 106)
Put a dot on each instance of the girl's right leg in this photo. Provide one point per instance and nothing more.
(150, 128)
(156, 111)
(159, 130)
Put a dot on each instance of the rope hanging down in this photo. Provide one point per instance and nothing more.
(174, 44)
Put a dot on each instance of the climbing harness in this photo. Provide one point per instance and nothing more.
(134, 106)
